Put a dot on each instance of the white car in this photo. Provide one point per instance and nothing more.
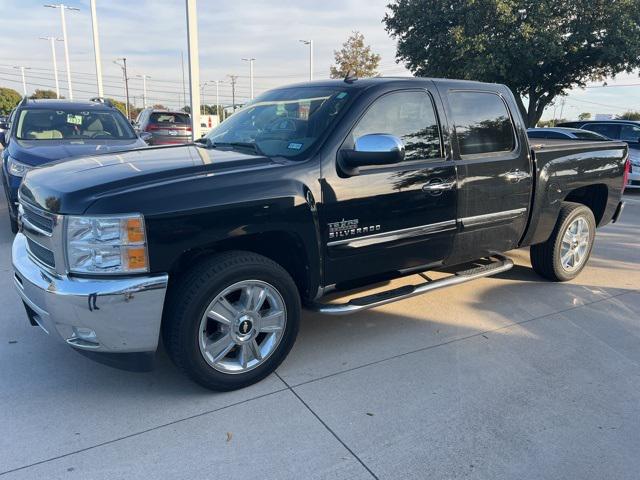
(634, 174)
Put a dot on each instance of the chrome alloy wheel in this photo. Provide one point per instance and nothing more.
(242, 326)
(575, 245)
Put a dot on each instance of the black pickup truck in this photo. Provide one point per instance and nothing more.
(309, 189)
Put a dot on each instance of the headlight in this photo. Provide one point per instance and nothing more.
(18, 169)
(107, 244)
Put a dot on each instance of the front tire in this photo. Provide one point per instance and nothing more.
(232, 320)
(563, 256)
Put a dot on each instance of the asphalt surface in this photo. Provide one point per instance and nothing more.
(509, 377)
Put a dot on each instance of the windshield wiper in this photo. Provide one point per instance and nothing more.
(250, 145)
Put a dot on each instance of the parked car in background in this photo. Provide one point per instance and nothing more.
(563, 133)
(626, 130)
(166, 127)
(42, 131)
(312, 188)
(4, 124)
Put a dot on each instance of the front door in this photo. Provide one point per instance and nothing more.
(390, 218)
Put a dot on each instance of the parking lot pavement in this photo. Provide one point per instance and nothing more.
(507, 377)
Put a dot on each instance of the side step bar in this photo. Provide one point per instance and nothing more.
(499, 264)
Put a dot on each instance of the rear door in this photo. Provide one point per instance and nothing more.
(494, 171)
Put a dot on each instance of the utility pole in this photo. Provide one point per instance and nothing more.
(24, 79)
(53, 41)
(144, 89)
(194, 67)
(310, 43)
(96, 47)
(234, 79)
(62, 8)
(250, 60)
(123, 66)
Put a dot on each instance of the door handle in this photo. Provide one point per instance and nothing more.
(516, 175)
(437, 186)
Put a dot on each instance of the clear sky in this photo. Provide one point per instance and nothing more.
(151, 34)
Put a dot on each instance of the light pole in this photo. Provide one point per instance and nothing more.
(96, 47)
(144, 89)
(220, 117)
(310, 43)
(24, 80)
(123, 66)
(194, 66)
(53, 41)
(250, 60)
(62, 8)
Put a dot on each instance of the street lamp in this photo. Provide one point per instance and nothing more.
(250, 60)
(96, 47)
(62, 8)
(310, 43)
(24, 80)
(53, 41)
(144, 88)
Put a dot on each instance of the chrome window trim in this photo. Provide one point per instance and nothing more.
(393, 235)
(489, 218)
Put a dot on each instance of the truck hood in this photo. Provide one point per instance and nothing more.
(40, 152)
(69, 187)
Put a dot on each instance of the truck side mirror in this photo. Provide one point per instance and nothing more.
(374, 149)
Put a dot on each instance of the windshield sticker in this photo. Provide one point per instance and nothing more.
(74, 119)
(341, 95)
(294, 146)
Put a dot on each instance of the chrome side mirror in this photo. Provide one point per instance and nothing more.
(374, 149)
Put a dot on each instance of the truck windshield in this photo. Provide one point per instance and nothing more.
(72, 124)
(285, 122)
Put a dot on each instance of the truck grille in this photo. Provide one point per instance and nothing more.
(43, 232)
(44, 255)
(37, 219)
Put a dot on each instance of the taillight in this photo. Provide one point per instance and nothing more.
(627, 170)
(152, 126)
(188, 129)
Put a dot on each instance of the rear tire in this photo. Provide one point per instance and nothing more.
(563, 256)
(231, 320)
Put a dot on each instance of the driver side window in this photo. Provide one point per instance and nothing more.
(408, 115)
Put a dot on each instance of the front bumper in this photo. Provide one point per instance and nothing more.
(124, 313)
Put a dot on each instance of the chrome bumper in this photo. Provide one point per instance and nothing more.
(124, 314)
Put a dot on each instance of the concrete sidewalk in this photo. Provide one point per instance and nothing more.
(507, 377)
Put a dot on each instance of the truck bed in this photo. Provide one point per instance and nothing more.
(546, 144)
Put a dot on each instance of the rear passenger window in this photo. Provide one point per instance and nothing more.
(482, 123)
(409, 116)
(609, 130)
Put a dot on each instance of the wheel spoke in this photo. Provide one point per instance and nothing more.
(220, 348)
(222, 311)
(255, 349)
(254, 297)
(565, 258)
(245, 355)
(272, 322)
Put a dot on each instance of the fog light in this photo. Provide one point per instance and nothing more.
(85, 334)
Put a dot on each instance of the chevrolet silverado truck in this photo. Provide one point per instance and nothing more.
(309, 189)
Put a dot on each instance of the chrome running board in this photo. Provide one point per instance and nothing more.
(498, 264)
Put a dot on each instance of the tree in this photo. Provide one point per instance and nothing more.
(539, 48)
(584, 116)
(355, 58)
(44, 94)
(159, 106)
(630, 115)
(9, 98)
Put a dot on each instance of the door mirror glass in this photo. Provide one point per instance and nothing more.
(375, 149)
(146, 136)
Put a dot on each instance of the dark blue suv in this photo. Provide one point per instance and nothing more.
(43, 131)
